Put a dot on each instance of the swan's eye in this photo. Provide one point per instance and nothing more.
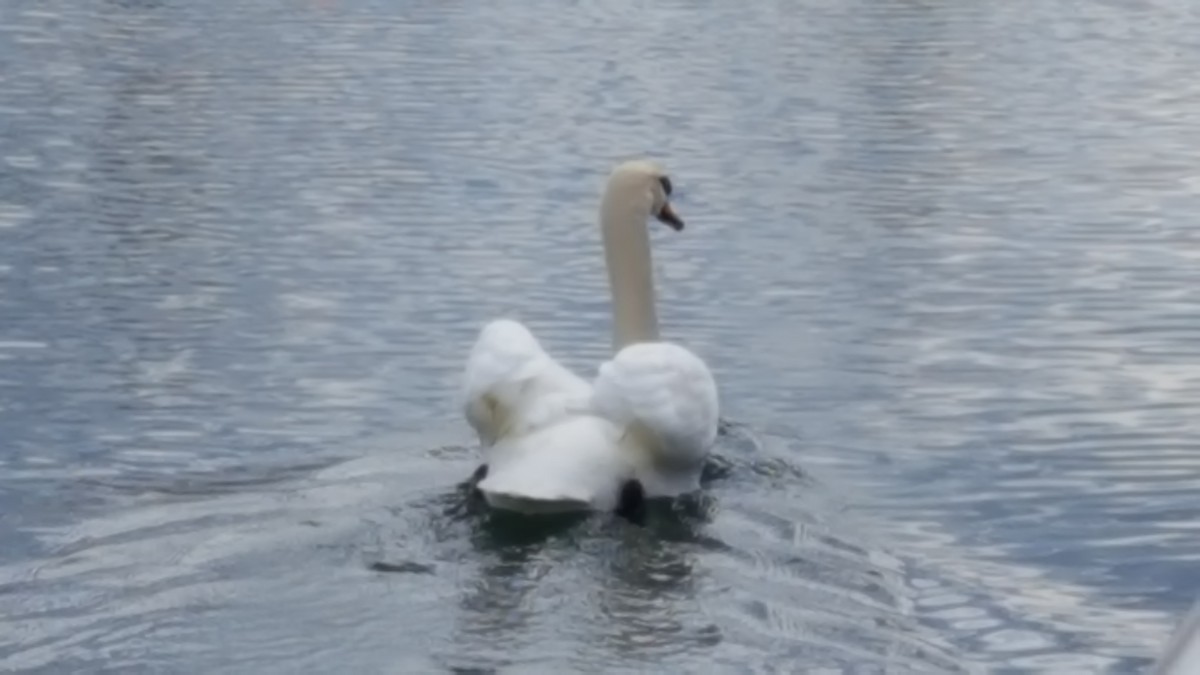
(666, 184)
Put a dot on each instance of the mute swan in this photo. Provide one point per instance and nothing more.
(552, 442)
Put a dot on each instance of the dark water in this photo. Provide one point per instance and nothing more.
(941, 256)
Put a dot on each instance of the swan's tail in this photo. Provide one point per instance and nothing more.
(532, 505)
(523, 489)
(568, 467)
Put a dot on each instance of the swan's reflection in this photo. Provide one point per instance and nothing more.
(638, 599)
(646, 603)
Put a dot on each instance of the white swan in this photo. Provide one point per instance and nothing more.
(551, 441)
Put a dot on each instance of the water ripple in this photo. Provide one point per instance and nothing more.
(941, 258)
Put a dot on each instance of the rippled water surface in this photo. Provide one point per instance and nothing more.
(942, 257)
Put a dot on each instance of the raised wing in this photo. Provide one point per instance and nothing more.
(663, 391)
(512, 386)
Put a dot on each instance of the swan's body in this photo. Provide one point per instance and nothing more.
(554, 442)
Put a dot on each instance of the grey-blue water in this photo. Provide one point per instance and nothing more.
(942, 257)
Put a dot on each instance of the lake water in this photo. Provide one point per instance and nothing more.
(942, 257)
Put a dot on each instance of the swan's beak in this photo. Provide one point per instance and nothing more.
(667, 215)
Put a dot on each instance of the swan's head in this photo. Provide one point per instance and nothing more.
(646, 183)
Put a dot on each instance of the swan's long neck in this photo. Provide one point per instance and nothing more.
(630, 276)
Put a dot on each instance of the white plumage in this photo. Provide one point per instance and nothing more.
(512, 387)
(554, 442)
(665, 399)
